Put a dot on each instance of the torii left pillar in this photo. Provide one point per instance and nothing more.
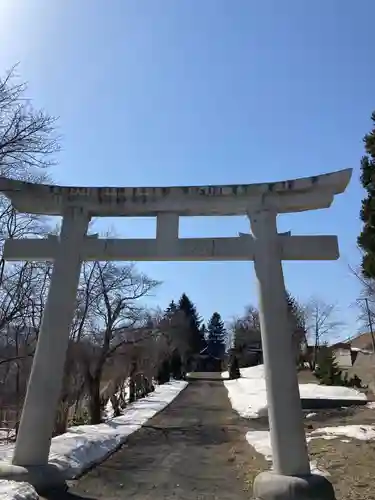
(44, 388)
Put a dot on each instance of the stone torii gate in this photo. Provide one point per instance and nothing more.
(264, 245)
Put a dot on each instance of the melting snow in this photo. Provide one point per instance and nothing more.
(84, 445)
(248, 397)
(248, 393)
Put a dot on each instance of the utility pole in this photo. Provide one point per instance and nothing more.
(369, 323)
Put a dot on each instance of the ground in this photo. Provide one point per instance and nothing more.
(196, 450)
(193, 450)
(350, 462)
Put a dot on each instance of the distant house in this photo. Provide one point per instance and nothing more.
(348, 352)
(250, 355)
(207, 362)
(362, 342)
(344, 355)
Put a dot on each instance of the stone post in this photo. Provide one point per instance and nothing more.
(288, 441)
(44, 387)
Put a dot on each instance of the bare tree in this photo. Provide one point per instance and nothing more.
(366, 302)
(109, 317)
(28, 145)
(245, 330)
(322, 324)
(28, 140)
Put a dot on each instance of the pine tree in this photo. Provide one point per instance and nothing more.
(297, 323)
(366, 240)
(234, 369)
(197, 340)
(164, 372)
(176, 365)
(327, 370)
(171, 309)
(216, 336)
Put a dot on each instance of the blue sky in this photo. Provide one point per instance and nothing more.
(160, 92)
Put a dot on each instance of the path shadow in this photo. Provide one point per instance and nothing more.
(330, 404)
(64, 495)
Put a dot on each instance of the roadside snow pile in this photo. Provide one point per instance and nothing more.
(248, 393)
(10, 490)
(261, 442)
(360, 432)
(84, 445)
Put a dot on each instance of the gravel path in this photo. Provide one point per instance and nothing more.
(194, 450)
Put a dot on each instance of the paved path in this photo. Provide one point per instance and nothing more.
(193, 450)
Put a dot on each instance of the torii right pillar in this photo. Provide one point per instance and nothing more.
(291, 478)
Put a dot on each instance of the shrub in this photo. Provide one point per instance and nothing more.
(234, 369)
(164, 373)
(328, 372)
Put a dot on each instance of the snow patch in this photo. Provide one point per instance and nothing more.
(360, 432)
(248, 393)
(85, 445)
(10, 490)
(261, 442)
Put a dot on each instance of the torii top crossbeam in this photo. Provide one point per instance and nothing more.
(296, 195)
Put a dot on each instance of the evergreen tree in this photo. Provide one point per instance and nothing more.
(176, 365)
(171, 309)
(366, 239)
(197, 340)
(216, 336)
(297, 323)
(234, 369)
(327, 370)
(164, 372)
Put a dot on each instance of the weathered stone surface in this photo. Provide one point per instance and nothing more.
(271, 486)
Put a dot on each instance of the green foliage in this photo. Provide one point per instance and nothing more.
(176, 365)
(234, 369)
(164, 373)
(171, 309)
(327, 370)
(197, 341)
(216, 336)
(366, 239)
(298, 324)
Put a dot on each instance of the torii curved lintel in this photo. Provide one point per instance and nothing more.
(285, 196)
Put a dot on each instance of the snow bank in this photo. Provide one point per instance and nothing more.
(248, 397)
(360, 432)
(85, 445)
(261, 442)
(248, 393)
(10, 490)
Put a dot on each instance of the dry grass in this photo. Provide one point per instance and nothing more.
(258, 464)
(351, 466)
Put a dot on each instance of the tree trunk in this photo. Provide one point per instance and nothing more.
(61, 421)
(115, 405)
(95, 401)
(132, 382)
